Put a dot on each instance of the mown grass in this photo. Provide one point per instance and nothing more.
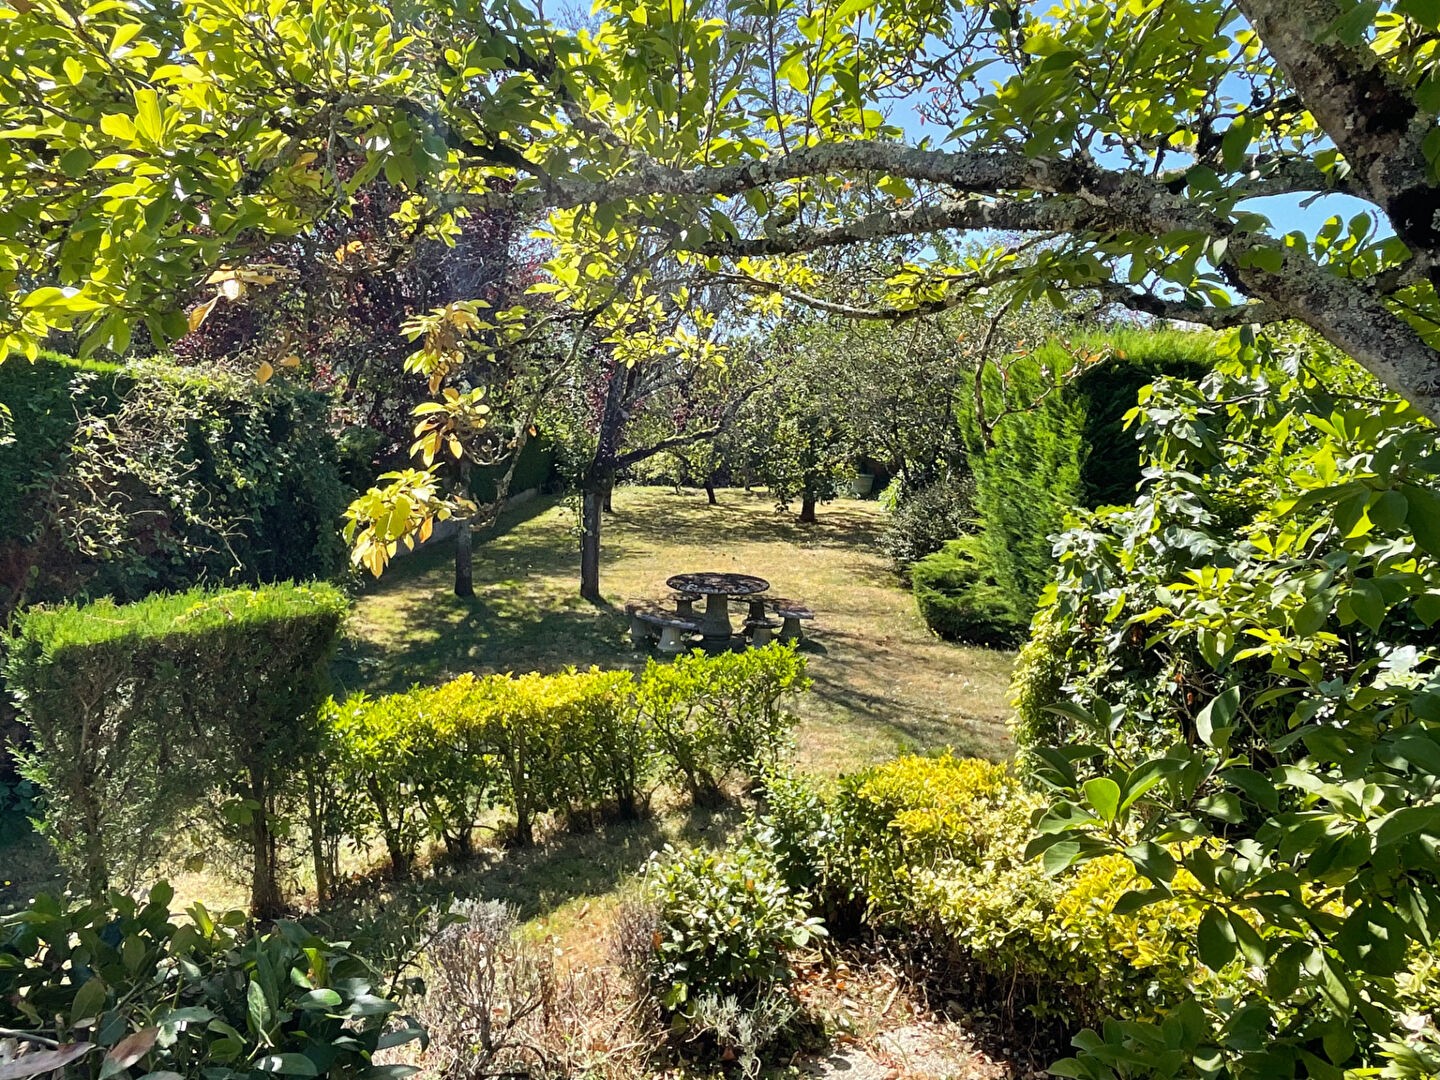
(882, 682)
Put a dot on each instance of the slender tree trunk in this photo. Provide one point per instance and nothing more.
(317, 837)
(265, 898)
(710, 492)
(464, 541)
(600, 478)
(464, 559)
(807, 510)
(609, 504)
(590, 515)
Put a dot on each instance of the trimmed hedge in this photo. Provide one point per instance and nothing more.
(143, 715)
(575, 743)
(1071, 450)
(960, 601)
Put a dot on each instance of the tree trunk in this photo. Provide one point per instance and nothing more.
(710, 493)
(807, 510)
(609, 498)
(317, 837)
(590, 513)
(464, 540)
(599, 478)
(464, 559)
(265, 899)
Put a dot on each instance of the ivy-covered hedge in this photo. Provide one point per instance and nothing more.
(122, 481)
(143, 716)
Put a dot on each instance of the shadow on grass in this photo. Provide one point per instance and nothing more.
(693, 521)
(387, 919)
(414, 629)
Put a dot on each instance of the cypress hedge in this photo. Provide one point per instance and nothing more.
(1071, 450)
(146, 717)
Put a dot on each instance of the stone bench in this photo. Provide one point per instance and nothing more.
(649, 621)
(761, 631)
(791, 612)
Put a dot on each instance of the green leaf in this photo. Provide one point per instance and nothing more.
(1373, 940)
(119, 126)
(1389, 510)
(1424, 12)
(1215, 939)
(1256, 785)
(1352, 26)
(1152, 860)
(1213, 724)
(1061, 856)
(1368, 603)
(1103, 795)
(257, 1009)
(1424, 517)
(89, 1001)
(288, 1065)
(1235, 142)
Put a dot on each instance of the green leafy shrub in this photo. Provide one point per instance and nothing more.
(1246, 658)
(960, 600)
(718, 716)
(937, 845)
(923, 522)
(726, 923)
(455, 774)
(126, 991)
(379, 746)
(610, 748)
(432, 759)
(525, 726)
(143, 715)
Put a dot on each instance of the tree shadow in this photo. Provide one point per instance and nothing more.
(388, 919)
(694, 521)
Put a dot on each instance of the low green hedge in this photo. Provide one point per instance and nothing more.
(426, 763)
(960, 600)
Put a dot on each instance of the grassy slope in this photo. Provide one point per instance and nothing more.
(882, 682)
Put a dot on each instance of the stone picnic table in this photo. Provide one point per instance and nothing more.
(718, 589)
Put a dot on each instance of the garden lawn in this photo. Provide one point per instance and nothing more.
(883, 683)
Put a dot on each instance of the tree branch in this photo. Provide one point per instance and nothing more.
(1217, 318)
(1052, 215)
(1368, 112)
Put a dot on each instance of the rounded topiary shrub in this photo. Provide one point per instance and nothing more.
(960, 600)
